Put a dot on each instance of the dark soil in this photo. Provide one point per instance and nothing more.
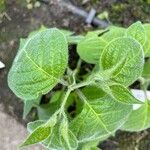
(23, 21)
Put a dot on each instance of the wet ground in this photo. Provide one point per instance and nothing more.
(20, 21)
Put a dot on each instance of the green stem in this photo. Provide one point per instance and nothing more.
(63, 82)
(76, 71)
(79, 85)
(64, 101)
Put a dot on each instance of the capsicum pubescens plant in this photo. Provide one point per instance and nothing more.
(103, 101)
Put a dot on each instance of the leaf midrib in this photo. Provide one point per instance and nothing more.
(97, 116)
(39, 68)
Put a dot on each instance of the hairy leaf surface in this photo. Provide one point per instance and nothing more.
(127, 51)
(41, 132)
(39, 65)
(137, 31)
(99, 118)
(55, 140)
(91, 47)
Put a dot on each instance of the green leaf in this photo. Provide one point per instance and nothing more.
(55, 140)
(127, 51)
(39, 65)
(137, 32)
(139, 119)
(41, 132)
(146, 71)
(28, 105)
(147, 43)
(60, 137)
(99, 118)
(113, 32)
(67, 137)
(123, 95)
(31, 126)
(91, 47)
(118, 92)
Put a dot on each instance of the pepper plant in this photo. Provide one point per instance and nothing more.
(102, 100)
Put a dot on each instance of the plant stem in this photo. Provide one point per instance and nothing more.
(79, 85)
(63, 82)
(64, 100)
(76, 71)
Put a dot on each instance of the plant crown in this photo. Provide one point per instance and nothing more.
(102, 99)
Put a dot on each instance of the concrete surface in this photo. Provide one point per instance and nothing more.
(12, 133)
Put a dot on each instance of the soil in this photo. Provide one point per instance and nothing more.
(22, 21)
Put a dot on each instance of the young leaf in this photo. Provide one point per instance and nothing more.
(128, 51)
(139, 119)
(137, 32)
(31, 126)
(41, 132)
(39, 65)
(99, 118)
(147, 43)
(60, 135)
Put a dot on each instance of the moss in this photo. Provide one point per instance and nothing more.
(2, 5)
(117, 8)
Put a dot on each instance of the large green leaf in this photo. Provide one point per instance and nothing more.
(99, 118)
(124, 57)
(39, 65)
(139, 119)
(137, 32)
(91, 47)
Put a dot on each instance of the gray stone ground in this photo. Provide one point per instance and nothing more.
(12, 133)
